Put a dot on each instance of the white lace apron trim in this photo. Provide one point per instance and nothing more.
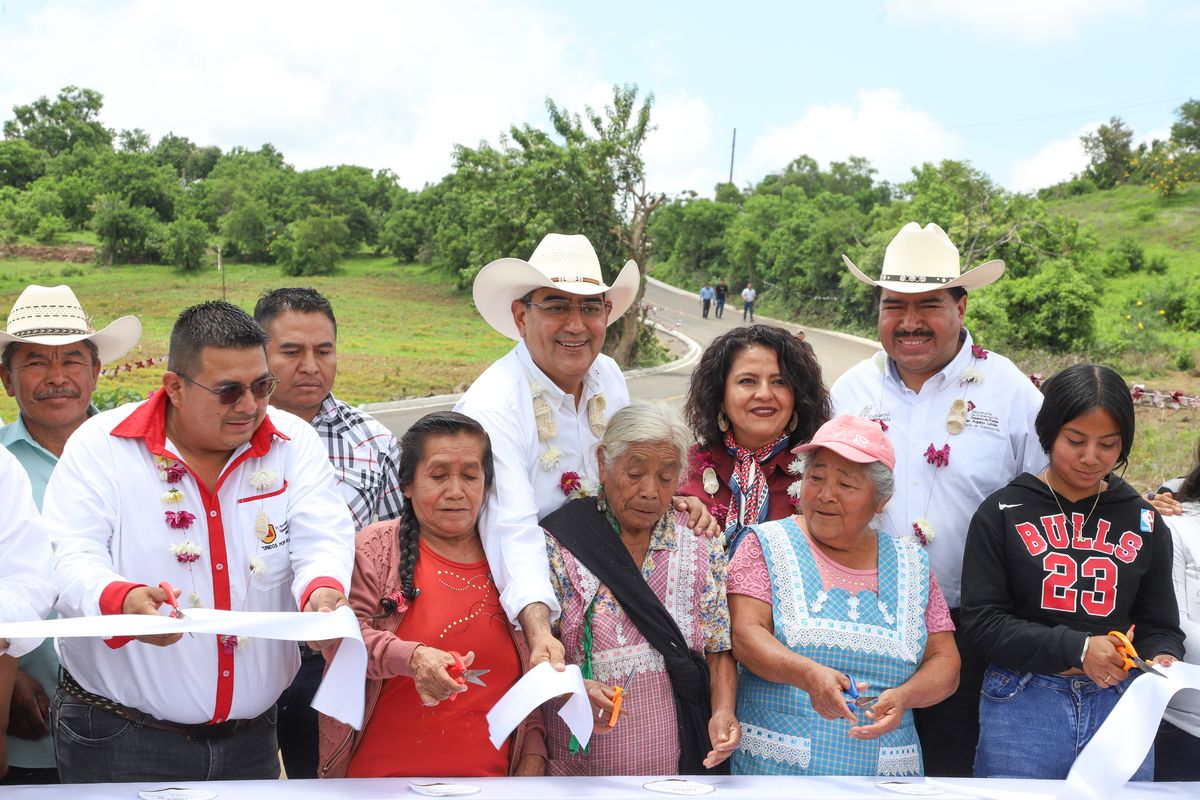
(904, 760)
(763, 743)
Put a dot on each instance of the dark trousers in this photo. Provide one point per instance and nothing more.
(949, 731)
(720, 307)
(1176, 754)
(27, 776)
(704, 304)
(748, 309)
(96, 746)
(298, 719)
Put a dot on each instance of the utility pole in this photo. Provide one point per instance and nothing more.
(732, 149)
(221, 270)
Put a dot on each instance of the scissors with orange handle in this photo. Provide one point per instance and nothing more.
(1130, 654)
(173, 601)
(618, 696)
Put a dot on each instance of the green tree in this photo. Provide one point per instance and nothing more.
(122, 229)
(186, 242)
(61, 125)
(1110, 149)
(247, 228)
(1186, 129)
(20, 163)
(312, 246)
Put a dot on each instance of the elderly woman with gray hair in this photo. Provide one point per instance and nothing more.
(644, 612)
(840, 631)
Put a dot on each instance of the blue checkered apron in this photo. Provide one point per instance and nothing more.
(877, 638)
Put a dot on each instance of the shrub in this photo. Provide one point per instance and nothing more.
(185, 243)
(312, 246)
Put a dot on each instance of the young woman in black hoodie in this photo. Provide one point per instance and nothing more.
(1053, 562)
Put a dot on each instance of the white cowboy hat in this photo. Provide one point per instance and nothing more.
(560, 261)
(923, 259)
(52, 316)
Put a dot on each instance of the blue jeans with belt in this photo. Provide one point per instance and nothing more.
(1033, 725)
(92, 745)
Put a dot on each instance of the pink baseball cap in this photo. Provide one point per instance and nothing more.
(854, 438)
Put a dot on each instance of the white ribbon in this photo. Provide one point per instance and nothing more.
(1121, 744)
(341, 694)
(536, 687)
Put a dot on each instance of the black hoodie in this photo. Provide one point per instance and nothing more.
(1031, 595)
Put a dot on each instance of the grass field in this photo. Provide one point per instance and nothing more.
(402, 331)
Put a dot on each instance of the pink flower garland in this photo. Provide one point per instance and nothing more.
(180, 520)
(939, 458)
(569, 482)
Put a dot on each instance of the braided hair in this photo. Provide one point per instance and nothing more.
(412, 453)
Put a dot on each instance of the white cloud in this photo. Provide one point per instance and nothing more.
(882, 127)
(1055, 162)
(376, 83)
(684, 151)
(1029, 22)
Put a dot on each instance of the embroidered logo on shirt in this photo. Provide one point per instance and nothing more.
(1004, 506)
(1147, 520)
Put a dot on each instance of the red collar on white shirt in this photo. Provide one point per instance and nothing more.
(149, 423)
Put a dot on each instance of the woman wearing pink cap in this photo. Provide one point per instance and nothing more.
(841, 631)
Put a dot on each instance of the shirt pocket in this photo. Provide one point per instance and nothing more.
(264, 516)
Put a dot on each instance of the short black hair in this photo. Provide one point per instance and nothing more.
(798, 367)
(1077, 390)
(10, 350)
(300, 299)
(214, 323)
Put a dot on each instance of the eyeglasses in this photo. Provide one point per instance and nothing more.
(561, 309)
(230, 393)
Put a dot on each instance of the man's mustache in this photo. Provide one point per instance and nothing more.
(918, 333)
(57, 394)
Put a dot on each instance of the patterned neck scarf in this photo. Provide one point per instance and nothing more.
(748, 485)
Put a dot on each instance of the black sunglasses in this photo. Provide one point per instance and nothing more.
(230, 393)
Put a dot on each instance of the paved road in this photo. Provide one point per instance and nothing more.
(675, 311)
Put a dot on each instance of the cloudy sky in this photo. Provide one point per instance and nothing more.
(1006, 84)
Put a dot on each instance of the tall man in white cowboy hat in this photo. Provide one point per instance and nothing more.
(545, 405)
(961, 421)
(49, 361)
(199, 487)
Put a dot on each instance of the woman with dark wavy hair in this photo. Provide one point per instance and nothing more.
(756, 394)
(429, 613)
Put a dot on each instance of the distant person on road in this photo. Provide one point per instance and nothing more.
(302, 354)
(755, 395)
(961, 421)
(721, 291)
(748, 296)
(545, 405)
(706, 298)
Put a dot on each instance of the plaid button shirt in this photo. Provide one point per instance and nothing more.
(366, 460)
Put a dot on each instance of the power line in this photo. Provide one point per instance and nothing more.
(1062, 114)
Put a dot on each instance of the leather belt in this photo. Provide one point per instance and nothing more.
(199, 732)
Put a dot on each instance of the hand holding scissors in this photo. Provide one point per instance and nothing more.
(856, 698)
(1125, 648)
(459, 672)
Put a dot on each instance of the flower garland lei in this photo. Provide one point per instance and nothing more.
(956, 420)
(571, 483)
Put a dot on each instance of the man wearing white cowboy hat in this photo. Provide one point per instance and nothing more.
(545, 405)
(49, 361)
(961, 421)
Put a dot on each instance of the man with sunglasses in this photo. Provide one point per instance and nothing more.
(199, 488)
(545, 405)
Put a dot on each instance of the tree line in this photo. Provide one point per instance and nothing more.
(173, 201)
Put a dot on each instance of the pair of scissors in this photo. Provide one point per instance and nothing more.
(173, 601)
(459, 672)
(618, 696)
(1130, 654)
(855, 697)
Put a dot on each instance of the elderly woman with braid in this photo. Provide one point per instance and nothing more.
(429, 611)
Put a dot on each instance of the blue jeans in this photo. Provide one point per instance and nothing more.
(96, 746)
(1034, 726)
(748, 309)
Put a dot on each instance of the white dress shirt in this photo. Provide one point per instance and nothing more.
(1184, 711)
(501, 399)
(26, 588)
(997, 444)
(104, 506)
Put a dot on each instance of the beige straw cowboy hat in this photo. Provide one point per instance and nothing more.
(52, 316)
(560, 261)
(923, 259)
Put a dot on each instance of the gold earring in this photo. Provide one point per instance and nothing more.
(722, 422)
